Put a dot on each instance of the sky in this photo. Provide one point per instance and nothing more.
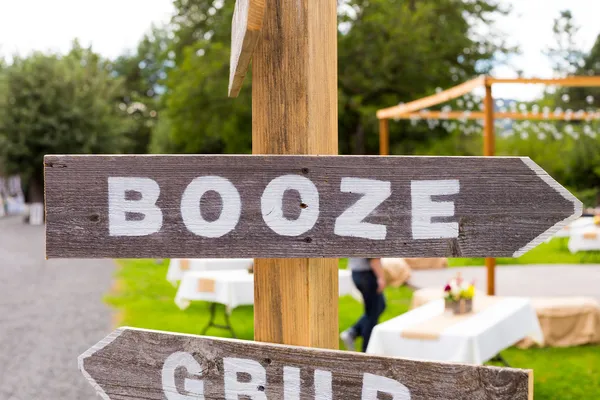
(110, 26)
(530, 27)
(114, 26)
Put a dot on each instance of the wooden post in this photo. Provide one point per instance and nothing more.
(488, 123)
(384, 137)
(294, 109)
(488, 150)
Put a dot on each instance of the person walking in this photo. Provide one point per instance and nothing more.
(369, 278)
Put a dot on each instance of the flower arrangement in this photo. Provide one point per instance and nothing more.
(458, 295)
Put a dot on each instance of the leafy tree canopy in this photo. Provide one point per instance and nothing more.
(389, 51)
(58, 105)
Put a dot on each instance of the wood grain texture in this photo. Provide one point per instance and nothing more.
(572, 81)
(489, 139)
(294, 111)
(519, 116)
(405, 110)
(245, 33)
(504, 206)
(129, 364)
(429, 101)
(384, 137)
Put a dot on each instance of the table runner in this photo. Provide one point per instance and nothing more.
(206, 285)
(432, 328)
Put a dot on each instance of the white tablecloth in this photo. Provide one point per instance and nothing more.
(474, 340)
(585, 239)
(581, 223)
(177, 267)
(574, 227)
(232, 288)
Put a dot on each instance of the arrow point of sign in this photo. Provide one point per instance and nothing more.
(89, 353)
(577, 207)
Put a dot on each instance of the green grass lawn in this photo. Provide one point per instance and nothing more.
(144, 299)
(553, 252)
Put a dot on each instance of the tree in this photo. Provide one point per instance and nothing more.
(389, 51)
(143, 72)
(581, 159)
(398, 51)
(202, 118)
(565, 56)
(58, 105)
(585, 97)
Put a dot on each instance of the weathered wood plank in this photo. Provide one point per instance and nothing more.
(299, 206)
(489, 148)
(434, 99)
(133, 364)
(569, 81)
(245, 33)
(519, 116)
(294, 111)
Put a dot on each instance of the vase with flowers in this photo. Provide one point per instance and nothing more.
(458, 295)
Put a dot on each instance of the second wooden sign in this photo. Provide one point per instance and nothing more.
(136, 364)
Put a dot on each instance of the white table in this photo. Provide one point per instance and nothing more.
(177, 266)
(473, 340)
(231, 288)
(581, 223)
(574, 227)
(585, 239)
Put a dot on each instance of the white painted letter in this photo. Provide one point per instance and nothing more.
(254, 388)
(375, 383)
(323, 387)
(194, 388)
(230, 213)
(291, 384)
(271, 205)
(119, 206)
(350, 223)
(424, 209)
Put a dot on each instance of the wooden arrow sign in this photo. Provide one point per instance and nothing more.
(245, 32)
(299, 206)
(133, 364)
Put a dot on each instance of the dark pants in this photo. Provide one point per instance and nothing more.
(366, 282)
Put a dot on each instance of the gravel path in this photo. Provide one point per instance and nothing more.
(530, 280)
(50, 312)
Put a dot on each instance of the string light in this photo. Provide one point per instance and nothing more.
(526, 127)
(587, 130)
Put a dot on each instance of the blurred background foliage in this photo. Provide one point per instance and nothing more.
(169, 95)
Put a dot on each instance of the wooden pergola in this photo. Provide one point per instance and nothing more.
(416, 110)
